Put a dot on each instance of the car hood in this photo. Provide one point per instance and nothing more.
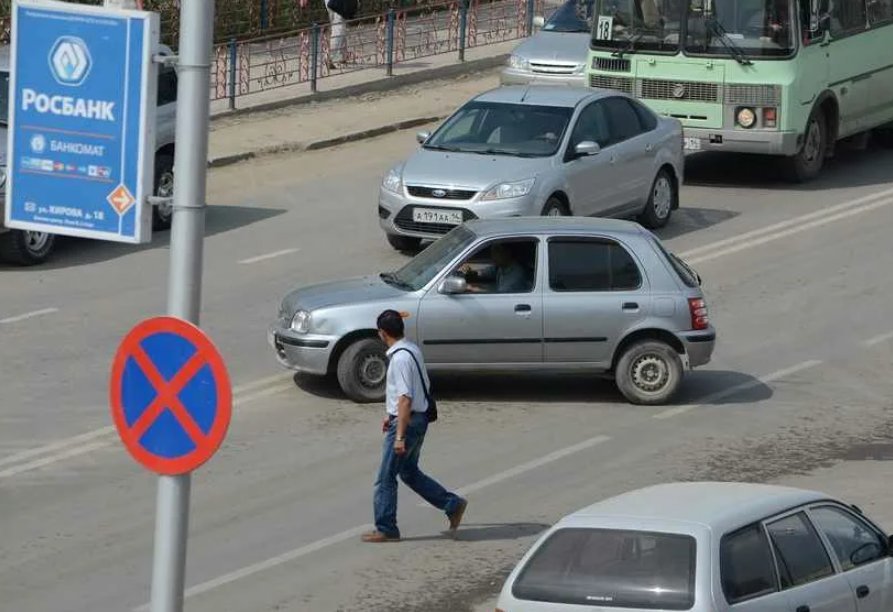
(570, 47)
(337, 293)
(470, 170)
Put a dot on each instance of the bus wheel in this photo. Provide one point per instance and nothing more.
(807, 163)
(884, 136)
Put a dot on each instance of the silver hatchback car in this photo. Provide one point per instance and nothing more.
(538, 150)
(534, 294)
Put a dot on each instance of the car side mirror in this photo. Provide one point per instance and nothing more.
(587, 148)
(453, 285)
(865, 553)
(539, 21)
(422, 137)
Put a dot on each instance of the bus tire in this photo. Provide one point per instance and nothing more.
(806, 164)
(884, 136)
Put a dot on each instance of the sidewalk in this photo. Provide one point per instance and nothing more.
(359, 105)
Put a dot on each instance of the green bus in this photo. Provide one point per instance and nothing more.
(778, 77)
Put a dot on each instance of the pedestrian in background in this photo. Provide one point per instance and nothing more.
(339, 11)
(408, 399)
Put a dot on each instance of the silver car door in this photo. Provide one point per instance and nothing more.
(862, 553)
(635, 152)
(589, 177)
(595, 292)
(489, 327)
(805, 570)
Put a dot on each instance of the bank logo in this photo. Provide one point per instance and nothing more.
(70, 61)
(38, 143)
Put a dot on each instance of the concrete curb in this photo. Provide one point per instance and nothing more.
(292, 147)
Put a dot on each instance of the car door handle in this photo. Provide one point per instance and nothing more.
(523, 308)
(630, 306)
(862, 591)
(803, 609)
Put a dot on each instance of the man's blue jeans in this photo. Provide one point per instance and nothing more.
(407, 468)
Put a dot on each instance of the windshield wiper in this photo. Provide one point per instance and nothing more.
(440, 148)
(630, 46)
(727, 42)
(391, 279)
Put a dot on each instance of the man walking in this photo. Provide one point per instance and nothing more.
(407, 389)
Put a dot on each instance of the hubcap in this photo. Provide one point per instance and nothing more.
(166, 190)
(650, 373)
(36, 241)
(813, 146)
(662, 196)
(372, 370)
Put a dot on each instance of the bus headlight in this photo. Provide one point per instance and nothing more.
(746, 117)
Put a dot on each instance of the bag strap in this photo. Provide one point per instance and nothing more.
(421, 374)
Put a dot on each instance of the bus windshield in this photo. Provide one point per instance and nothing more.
(736, 28)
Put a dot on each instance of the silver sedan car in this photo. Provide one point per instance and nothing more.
(708, 547)
(532, 294)
(539, 150)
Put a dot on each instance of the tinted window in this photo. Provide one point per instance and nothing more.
(167, 86)
(611, 568)
(685, 273)
(623, 119)
(847, 16)
(746, 564)
(880, 11)
(4, 97)
(647, 119)
(592, 124)
(801, 556)
(572, 16)
(853, 541)
(591, 265)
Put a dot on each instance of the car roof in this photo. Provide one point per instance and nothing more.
(536, 225)
(720, 506)
(566, 96)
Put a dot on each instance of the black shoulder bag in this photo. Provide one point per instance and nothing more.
(431, 412)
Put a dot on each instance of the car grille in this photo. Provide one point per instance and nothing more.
(404, 221)
(604, 81)
(611, 64)
(752, 95)
(447, 194)
(655, 89)
(553, 68)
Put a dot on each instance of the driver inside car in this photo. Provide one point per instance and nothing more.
(505, 275)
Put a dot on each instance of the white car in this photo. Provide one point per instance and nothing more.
(708, 547)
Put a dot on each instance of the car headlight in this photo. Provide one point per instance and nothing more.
(519, 63)
(504, 191)
(301, 322)
(393, 181)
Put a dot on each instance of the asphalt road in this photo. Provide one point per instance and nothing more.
(799, 286)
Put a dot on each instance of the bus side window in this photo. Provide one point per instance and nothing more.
(847, 17)
(880, 11)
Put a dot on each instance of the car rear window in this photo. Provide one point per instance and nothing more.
(611, 568)
(685, 273)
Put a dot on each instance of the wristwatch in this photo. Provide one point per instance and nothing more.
(401, 439)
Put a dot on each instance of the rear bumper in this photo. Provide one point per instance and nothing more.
(741, 141)
(699, 346)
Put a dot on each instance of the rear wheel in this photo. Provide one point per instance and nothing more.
(362, 371)
(555, 208)
(404, 244)
(664, 197)
(163, 214)
(26, 248)
(649, 373)
(808, 162)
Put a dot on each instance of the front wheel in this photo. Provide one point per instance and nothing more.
(649, 373)
(163, 214)
(26, 248)
(362, 371)
(808, 162)
(664, 197)
(555, 208)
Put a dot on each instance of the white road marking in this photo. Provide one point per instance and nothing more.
(729, 391)
(267, 256)
(353, 532)
(39, 463)
(28, 315)
(49, 448)
(880, 338)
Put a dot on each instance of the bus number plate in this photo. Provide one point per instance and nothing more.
(692, 144)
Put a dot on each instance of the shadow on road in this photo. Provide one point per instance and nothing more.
(722, 387)
(73, 252)
(486, 532)
(848, 168)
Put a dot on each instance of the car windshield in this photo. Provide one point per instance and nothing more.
(493, 128)
(627, 26)
(4, 98)
(752, 27)
(611, 568)
(572, 16)
(428, 264)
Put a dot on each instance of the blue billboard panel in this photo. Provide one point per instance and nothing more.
(81, 120)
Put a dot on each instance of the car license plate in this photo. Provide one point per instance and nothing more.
(431, 215)
(692, 144)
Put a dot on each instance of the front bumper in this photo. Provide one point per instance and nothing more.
(307, 353)
(511, 76)
(699, 346)
(740, 141)
(395, 212)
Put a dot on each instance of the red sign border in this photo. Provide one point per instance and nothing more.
(205, 347)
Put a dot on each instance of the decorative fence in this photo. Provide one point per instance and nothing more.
(397, 36)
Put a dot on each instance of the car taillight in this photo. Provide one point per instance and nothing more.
(699, 317)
